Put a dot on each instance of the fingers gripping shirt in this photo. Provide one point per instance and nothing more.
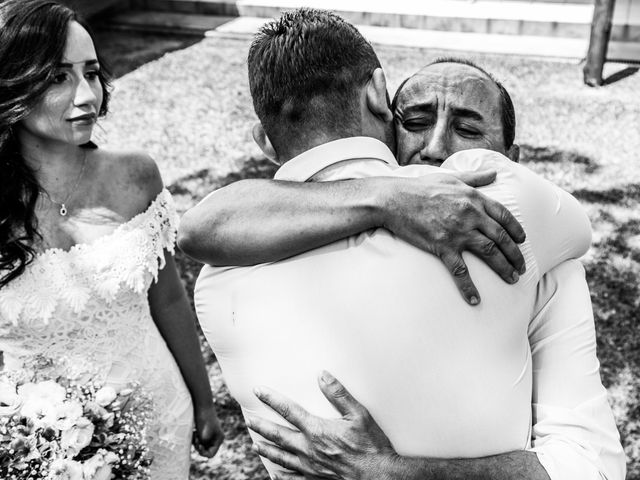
(537, 204)
(442, 378)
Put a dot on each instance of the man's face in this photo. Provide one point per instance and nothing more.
(445, 108)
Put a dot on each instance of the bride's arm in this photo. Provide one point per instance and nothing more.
(170, 308)
(171, 312)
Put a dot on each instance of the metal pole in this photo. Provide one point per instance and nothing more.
(598, 41)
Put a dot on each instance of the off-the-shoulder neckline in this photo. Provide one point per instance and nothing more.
(80, 245)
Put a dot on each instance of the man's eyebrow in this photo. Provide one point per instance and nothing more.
(468, 113)
(417, 107)
(70, 65)
(431, 106)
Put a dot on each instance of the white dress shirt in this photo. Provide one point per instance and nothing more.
(574, 433)
(442, 378)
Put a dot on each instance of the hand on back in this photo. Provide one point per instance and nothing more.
(444, 214)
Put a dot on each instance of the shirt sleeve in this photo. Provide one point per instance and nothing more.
(574, 433)
(556, 225)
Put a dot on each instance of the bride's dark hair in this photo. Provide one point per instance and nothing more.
(33, 35)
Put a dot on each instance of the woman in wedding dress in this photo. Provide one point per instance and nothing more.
(88, 284)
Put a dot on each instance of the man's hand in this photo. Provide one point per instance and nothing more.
(349, 448)
(444, 214)
(354, 447)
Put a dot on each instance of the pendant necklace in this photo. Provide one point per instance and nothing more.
(63, 205)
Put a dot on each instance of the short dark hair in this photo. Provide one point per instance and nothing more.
(304, 71)
(508, 113)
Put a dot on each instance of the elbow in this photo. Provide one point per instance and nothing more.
(189, 238)
(185, 239)
(583, 231)
(197, 238)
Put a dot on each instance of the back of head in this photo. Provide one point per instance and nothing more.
(306, 70)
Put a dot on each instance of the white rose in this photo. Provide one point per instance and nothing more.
(67, 414)
(47, 390)
(109, 420)
(111, 458)
(10, 401)
(93, 410)
(105, 396)
(65, 470)
(103, 473)
(77, 437)
(41, 411)
(98, 467)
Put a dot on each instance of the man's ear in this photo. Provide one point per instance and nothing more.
(377, 96)
(514, 153)
(260, 137)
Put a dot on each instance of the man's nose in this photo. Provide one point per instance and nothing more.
(436, 146)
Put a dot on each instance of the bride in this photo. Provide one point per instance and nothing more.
(88, 284)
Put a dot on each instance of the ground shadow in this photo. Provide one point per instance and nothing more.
(535, 154)
(614, 283)
(124, 51)
(621, 75)
(614, 279)
(622, 196)
(193, 187)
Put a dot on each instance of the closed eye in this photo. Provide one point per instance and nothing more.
(467, 131)
(417, 123)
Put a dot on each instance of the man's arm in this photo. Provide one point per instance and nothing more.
(574, 432)
(256, 221)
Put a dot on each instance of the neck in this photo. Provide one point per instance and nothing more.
(55, 164)
(306, 142)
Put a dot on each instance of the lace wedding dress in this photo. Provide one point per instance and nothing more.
(84, 313)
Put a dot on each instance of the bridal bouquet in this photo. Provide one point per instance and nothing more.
(59, 430)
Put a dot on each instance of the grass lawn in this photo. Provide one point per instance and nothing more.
(191, 110)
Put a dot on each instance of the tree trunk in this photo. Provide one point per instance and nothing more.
(598, 42)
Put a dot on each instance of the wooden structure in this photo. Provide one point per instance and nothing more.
(598, 42)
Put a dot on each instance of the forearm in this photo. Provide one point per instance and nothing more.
(517, 465)
(177, 328)
(256, 221)
(172, 315)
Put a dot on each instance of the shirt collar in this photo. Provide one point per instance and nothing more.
(304, 166)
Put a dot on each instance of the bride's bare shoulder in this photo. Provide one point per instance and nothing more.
(133, 177)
